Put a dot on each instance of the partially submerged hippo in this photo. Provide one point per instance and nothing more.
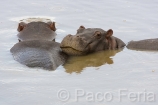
(36, 31)
(88, 40)
(36, 48)
(39, 53)
(147, 44)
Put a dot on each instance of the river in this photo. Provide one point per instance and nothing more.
(124, 77)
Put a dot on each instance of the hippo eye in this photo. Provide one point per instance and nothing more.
(98, 34)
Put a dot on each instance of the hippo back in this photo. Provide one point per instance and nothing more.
(37, 53)
(147, 44)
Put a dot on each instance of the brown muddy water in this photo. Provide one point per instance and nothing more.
(77, 64)
(123, 77)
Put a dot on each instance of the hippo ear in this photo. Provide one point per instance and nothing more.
(111, 40)
(109, 33)
(52, 26)
(81, 27)
(21, 26)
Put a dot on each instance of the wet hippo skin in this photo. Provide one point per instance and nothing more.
(39, 53)
(88, 40)
(147, 44)
(36, 31)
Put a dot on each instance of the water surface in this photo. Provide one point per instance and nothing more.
(102, 72)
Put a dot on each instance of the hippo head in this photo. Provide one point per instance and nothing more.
(88, 40)
(36, 31)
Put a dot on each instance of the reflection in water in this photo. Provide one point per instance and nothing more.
(78, 63)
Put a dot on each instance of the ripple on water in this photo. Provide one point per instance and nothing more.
(28, 19)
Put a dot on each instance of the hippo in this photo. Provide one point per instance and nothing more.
(36, 31)
(36, 46)
(39, 53)
(146, 44)
(89, 40)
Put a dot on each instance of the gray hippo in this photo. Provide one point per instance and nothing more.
(146, 44)
(36, 48)
(36, 31)
(39, 53)
(88, 40)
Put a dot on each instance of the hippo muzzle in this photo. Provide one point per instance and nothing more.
(75, 45)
